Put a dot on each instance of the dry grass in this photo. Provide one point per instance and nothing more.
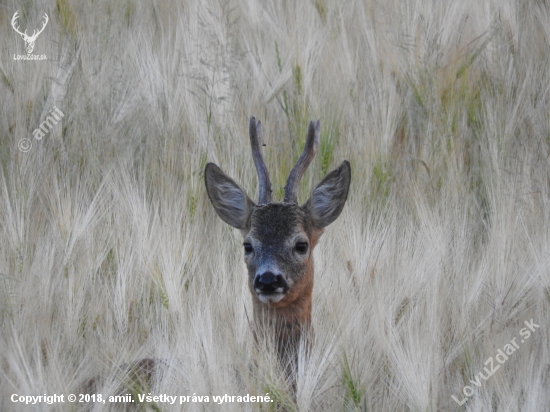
(110, 252)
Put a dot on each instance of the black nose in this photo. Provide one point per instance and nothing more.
(269, 283)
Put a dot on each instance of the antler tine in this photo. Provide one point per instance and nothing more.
(14, 22)
(35, 33)
(303, 162)
(263, 175)
(46, 20)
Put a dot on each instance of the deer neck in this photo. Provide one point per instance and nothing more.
(290, 317)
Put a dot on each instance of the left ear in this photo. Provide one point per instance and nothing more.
(328, 198)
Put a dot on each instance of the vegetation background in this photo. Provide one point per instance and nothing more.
(111, 253)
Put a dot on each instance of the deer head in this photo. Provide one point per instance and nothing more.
(279, 237)
(29, 40)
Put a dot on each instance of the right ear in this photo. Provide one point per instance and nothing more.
(230, 201)
(328, 198)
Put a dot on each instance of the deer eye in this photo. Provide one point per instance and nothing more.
(301, 247)
(248, 248)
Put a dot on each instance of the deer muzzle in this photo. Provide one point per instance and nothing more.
(270, 287)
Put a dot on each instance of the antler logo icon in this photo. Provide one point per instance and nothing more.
(29, 40)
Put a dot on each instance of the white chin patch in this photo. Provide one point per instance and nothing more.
(270, 298)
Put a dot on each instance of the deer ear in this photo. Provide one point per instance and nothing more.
(230, 201)
(329, 196)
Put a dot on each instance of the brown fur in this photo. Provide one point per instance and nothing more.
(290, 318)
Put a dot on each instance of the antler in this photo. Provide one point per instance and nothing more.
(34, 33)
(24, 34)
(261, 169)
(13, 22)
(303, 162)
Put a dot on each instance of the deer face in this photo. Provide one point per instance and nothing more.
(29, 44)
(278, 251)
(278, 238)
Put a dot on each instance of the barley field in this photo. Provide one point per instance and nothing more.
(432, 289)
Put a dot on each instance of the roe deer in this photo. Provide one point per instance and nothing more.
(279, 237)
